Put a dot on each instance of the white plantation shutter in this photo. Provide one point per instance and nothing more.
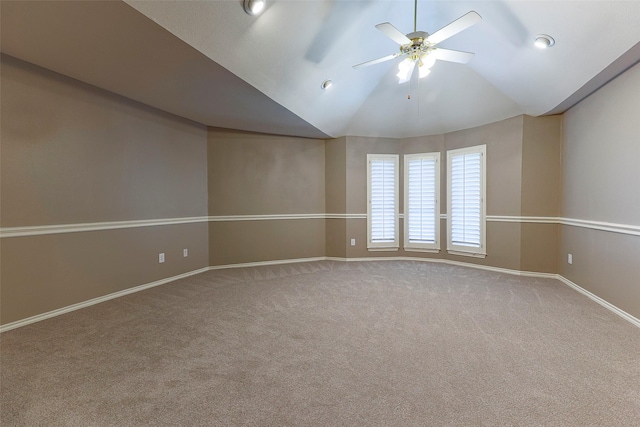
(422, 191)
(382, 212)
(383, 198)
(466, 210)
(465, 199)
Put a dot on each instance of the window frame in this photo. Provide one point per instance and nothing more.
(465, 250)
(415, 246)
(390, 245)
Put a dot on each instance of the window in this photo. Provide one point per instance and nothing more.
(382, 206)
(466, 210)
(422, 202)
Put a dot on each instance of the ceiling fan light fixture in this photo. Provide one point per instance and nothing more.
(404, 64)
(427, 61)
(253, 7)
(544, 41)
(405, 70)
(423, 72)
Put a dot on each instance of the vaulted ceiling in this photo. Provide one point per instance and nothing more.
(210, 62)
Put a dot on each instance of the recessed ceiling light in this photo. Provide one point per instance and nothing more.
(254, 7)
(544, 41)
(327, 84)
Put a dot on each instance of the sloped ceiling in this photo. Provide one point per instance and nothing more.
(211, 62)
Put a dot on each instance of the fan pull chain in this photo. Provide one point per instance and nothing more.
(418, 118)
(412, 84)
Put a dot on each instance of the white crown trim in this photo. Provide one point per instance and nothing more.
(38, 230)
(93, 226)
(226, 218)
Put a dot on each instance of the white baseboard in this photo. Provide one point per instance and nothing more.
(57, 312)
(263, 263)
(94, 301)
(600, 301)
(635, 321)
(451, 262)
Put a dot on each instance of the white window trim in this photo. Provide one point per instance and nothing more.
(373, 246)
(480, 252)
(422, 247)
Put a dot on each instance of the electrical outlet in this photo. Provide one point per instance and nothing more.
(161, 258)
(570, 259)
(185, 253)
(353, 242)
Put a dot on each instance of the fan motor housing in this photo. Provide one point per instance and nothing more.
(419, 43)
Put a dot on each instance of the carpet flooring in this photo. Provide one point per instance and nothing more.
(385, 343)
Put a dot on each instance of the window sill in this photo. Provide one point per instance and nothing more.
(431, 251)
(469, 254)
(390, 249)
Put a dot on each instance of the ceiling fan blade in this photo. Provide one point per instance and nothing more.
(393, 33)
(452, 55)
(460, 24)
(377, 61)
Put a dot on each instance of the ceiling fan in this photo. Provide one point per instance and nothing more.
(419, 47)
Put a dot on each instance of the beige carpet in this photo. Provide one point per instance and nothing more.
(329, 344)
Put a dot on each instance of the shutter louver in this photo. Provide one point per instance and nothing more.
(466, 199)
(421, 208)
(383, 203)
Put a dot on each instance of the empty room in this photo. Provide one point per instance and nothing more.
(319, 213)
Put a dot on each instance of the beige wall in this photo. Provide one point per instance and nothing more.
(255, 174)
(44, 273)
(504, 161)
(604, 263)
(336, 175)
(356, 174)
(601, 154)
(541, 166)
(74, 154)
(504, 175)
(539, 247)
(237, 242)
(600, 178)
(522, 159)
(336, 196)
(541, 186)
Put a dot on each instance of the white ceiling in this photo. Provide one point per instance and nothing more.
(211, 62)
